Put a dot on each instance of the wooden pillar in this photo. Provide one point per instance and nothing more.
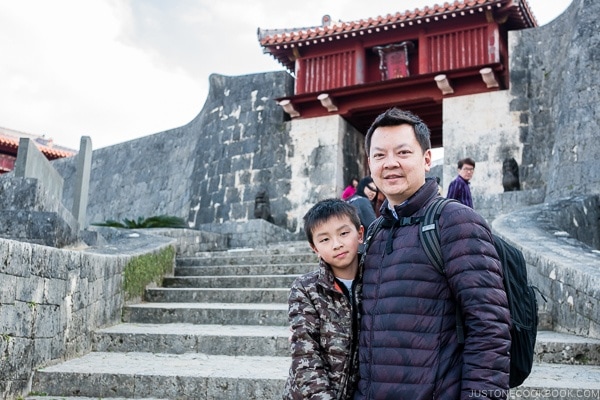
(424, 66)
(300, 77)
(360, 66)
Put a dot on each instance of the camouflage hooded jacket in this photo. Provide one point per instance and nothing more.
(324, 325)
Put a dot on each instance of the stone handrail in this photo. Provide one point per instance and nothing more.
(51, 300)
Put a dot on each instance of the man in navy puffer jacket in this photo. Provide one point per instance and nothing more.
(408, 347)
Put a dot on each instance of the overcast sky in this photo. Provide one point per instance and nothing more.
(116, 70)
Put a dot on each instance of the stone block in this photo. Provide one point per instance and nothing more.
(48, 263)
(55, 291)
(8, 316)
(40, 227)
(42, 352)
(8, 289)
(254, 232)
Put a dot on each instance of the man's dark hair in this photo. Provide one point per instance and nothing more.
(394, 117)
(468, 161)
(324, 210)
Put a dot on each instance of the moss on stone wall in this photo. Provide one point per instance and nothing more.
(145, 269)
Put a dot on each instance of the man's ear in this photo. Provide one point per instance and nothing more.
(428, 160)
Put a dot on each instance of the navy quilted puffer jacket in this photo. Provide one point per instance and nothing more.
(408, 344)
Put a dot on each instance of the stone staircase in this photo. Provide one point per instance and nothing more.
(218, 329)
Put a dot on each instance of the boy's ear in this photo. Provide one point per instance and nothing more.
(361, 233)
(312, 246)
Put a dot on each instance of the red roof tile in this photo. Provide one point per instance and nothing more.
(11, 141)
(518, 9)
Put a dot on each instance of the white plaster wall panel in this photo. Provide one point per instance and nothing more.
(316, 162)
(480, 126)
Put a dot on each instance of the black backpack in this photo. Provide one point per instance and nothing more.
(522, 302)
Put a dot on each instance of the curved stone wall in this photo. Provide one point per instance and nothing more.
(207, 171)
(553, 76)
(565, 270)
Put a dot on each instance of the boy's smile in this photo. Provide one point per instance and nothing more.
(336, 241)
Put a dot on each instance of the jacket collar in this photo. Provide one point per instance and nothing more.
(327, 279)
(416, 202)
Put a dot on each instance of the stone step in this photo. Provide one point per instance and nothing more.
(226, 259)
(293, 247)
(219, 331)
(82, 398)
(201, 376)
(165, 376)
(178, 338)
(563, 348)
(256, 269)
(207, 313)
(559, 382)
(230, 281)
(216, 295)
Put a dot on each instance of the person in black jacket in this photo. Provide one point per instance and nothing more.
(409, 346)
(361, 201)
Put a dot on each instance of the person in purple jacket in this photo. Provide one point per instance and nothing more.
(408, 342)
(459, 187)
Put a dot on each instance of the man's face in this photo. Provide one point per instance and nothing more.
(397, 163)
(466, 172)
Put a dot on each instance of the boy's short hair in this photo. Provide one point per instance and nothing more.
(324, 210)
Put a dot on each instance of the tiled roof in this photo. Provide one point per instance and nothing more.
(12, 141)
(518, 10)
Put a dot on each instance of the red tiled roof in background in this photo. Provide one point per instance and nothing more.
(518, 13)
(10, 139)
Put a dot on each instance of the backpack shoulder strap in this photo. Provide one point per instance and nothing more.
(429, 232)
(372, 230)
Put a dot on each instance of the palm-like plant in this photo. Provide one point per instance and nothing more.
(159, 221)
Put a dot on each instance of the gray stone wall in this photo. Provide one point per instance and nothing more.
(553, 75)
(252, 233)
(31, 213)
(51, 300)
(243, 141)
(496, 205)
(209, 170)
(140, 178)
(559, 264)
(578, 217)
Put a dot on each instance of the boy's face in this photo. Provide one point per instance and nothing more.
(336, 241)
(397, 162)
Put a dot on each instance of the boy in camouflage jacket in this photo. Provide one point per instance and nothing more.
(323, 310)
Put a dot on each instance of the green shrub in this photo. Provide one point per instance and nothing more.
(159, 221)
(140, 271)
